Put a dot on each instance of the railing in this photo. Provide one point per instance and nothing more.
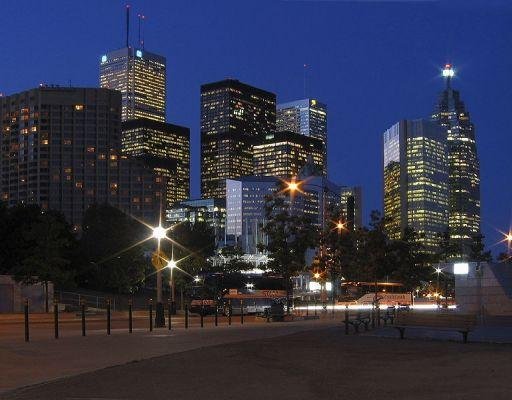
(75, 300)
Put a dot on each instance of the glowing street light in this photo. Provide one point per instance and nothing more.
(159, 232)
(171, 264)
(438, 271)
(316, 275)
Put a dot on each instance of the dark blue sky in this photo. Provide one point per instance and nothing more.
(373, 63)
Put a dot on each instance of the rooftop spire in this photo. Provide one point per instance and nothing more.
(127, 24)
(448, 74)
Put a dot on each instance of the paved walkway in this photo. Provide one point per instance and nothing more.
(24, 364)
(312, 364)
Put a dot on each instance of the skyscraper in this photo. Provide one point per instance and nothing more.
(352, 206)
(416, 180)
(464, 180)
(165, 148)
(307, 117)
(140, 77)
(283, 154)
(61, 148)
(233, 116)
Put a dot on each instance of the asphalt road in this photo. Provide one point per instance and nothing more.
(317, 364)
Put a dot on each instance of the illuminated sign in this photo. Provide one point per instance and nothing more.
(138, 53)
(460, 268)
(103, 58)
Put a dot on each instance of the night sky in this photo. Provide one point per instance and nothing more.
(373, 63)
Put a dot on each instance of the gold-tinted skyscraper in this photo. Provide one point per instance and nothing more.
(283, 154)
(234, 116)
(140, 76)
(464, 181)
(165, 148)
(416, 181)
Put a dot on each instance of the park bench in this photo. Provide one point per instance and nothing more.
(361, 318)
(443, 321)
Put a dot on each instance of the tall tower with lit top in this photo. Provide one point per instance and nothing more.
(464, 167)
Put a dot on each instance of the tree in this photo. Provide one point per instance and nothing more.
(477, 249)
(48, 258)
(447, 248)
(289, 236)
(108, 246)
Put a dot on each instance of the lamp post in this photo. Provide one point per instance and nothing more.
(171, 265)
(438, 289)
(159, 233)
(508, 238)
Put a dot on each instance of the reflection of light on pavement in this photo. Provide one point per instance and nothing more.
(369, 307)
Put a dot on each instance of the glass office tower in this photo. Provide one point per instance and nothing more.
(283, 154)
(233, 117)
(307, 117)
(416, 180)
(464, 181)
(140, 77)
(165, 148)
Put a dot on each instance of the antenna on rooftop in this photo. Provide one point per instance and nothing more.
(127, 24)
(305, 76)
(142, 17)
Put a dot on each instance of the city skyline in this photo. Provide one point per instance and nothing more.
(418, 81)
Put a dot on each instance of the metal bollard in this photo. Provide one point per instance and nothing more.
(56, 318)
(216, 315)
(230, 312)
(241, 311)
(130, 316)
(27, 335)
(202, 316)
(150, 315)
(315, 306)
(170, 306)
(378, 316)
(186, 316)
(307, 309)
(108, 317)
(373, 316)
(346, 319)
(82, 306)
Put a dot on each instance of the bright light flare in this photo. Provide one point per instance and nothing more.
(438, 270)
(159, 232)
(448, 71)
(171, 264)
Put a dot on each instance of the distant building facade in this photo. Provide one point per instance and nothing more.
(165, 148)
(307, 117)
(234, 116)
(210, 211)
(416, 180)
(351, 202)
(61, 148)
(283, 154)
(245, 210)
(464, 180)
(140, 76)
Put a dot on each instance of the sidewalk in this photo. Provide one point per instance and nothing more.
(30, 363)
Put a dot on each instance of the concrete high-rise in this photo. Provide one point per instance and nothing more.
(61, 148)
(464, 167)
(234, 116)
(416, 180)
(165, 148)
(283, 154)
(140, 76)
(307, 117)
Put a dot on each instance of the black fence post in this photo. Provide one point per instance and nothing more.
(82, 306)
(130, 316)
(216, 315)
(241, 311)
(373, 315)
(56, 317)
(202, 315)
(27, 334)
(378, 316)
(230, 311)
(108, 317)
(186, 316)
(315, 305)
(171, 310)
(346, 319)
(151, 315)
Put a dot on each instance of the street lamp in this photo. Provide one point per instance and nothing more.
(159, 233)
(438, 272)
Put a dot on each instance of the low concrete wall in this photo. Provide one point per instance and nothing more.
(485, 290)
(13, 295)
